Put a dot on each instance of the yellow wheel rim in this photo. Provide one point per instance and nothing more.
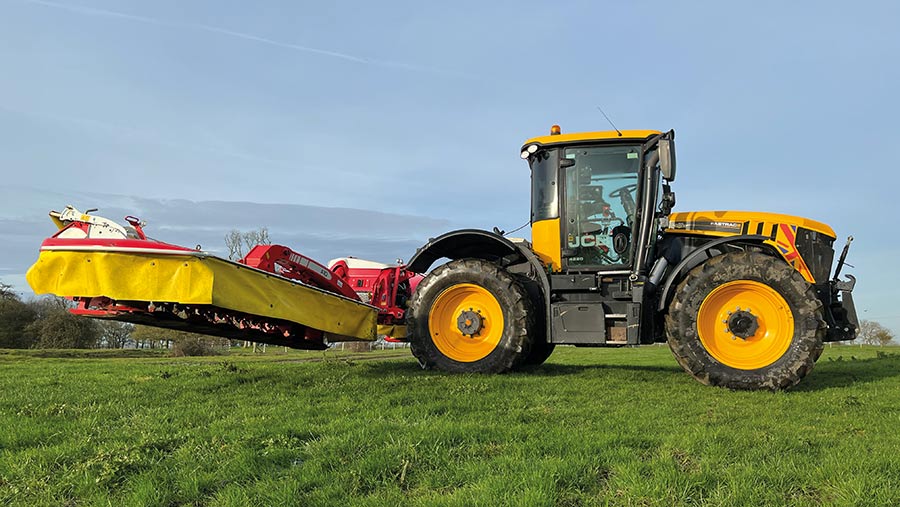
(727, 330)
(466, 322)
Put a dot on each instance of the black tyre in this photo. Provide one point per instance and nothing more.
(540, 349)
(470, 315)
(540, 352)
(746, 321)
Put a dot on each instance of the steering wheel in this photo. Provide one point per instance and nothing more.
(627, 188)
(624, 195)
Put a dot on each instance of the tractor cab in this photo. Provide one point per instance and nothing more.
(595, 197)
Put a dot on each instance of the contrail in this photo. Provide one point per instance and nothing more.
(92, 11)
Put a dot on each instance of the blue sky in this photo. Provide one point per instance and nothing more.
(418, 109)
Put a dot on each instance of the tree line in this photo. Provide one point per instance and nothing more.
(46, 323)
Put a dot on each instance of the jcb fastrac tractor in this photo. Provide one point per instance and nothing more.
(744, 299)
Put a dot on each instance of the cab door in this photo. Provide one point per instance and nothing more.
(600, 189)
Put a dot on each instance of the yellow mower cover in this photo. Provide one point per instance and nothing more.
(200, 279)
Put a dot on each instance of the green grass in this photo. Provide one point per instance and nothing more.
(591, 427)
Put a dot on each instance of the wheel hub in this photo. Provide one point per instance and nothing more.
(469, 322)
(742, 324)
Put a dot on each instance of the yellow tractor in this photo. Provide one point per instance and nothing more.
(744, 299)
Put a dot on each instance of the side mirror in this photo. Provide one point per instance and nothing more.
(667, 158)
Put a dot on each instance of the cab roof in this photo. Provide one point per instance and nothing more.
(606, 135)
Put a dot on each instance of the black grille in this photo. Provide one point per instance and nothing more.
(816, 250)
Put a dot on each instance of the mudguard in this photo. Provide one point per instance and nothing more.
(481, 244)
(466, 243)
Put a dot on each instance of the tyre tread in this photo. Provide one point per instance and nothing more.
(796, 363)
(514, 347)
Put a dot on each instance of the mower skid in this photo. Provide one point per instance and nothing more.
(396, 333)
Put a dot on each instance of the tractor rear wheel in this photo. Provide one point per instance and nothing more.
(470, 315)
(746, 321)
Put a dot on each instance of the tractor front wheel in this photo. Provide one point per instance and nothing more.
(470, 315)
(746, 321)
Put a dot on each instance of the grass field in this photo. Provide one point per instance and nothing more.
(591, 427)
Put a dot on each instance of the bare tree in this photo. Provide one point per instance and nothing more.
(234, 244)
(873, 333)
(7, 293)
(113, 334)
(239, 242)
(258, 237)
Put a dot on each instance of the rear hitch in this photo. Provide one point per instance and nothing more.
(844, 322)
(844, 285)
(841, 260)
